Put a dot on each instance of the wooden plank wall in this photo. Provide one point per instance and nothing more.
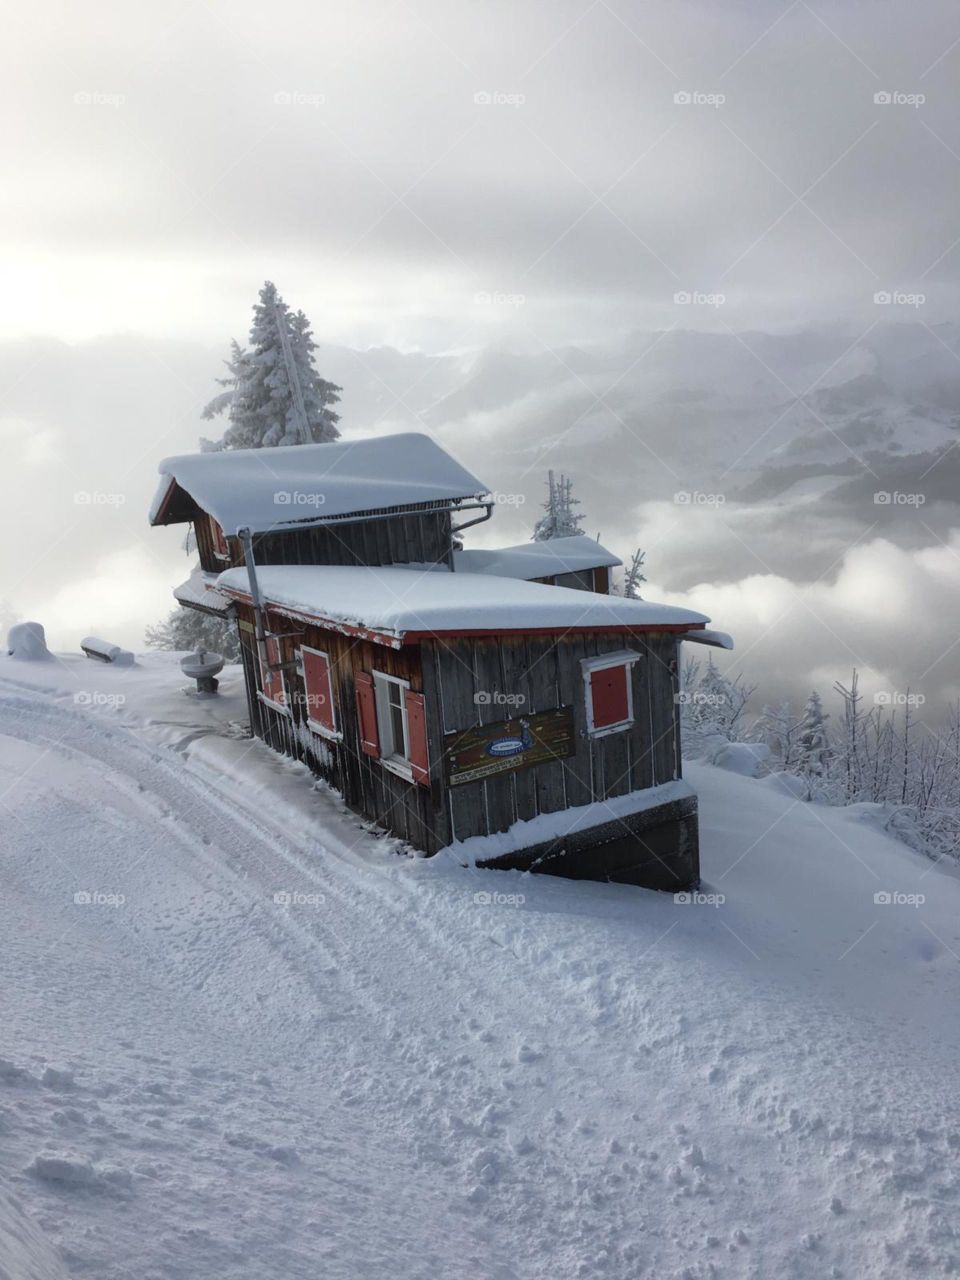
(543, 674)
(415, 813)
(420, 538)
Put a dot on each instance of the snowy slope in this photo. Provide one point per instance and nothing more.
(383, 1074)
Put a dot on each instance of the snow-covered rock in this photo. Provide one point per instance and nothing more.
(790, 784)
(746, 758)
(27, 642)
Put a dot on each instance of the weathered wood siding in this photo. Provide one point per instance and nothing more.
(534, 673)
(540, 673)
(409, 810)
(421, 537)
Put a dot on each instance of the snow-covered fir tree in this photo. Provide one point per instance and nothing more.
(274, 394)
(188, 629)
(559, 519)
(634, 575)
(814, 745)
(780, 729)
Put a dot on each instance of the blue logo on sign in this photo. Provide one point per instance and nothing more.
(511, 746)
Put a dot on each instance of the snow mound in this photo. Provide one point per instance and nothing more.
(789, 784)
(746, 758)
(27, 642)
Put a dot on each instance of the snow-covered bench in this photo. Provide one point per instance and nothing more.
(104, 651)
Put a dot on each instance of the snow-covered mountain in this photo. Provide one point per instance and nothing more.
(242, 1036)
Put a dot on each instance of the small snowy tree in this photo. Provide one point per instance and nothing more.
(559, 520)
(814, 745)
(634, 575)
(187, 629)
(780, 730)
(273, 394)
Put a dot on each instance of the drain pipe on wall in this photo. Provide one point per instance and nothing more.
(246, 539)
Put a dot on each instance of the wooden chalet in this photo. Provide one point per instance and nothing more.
(450, 696)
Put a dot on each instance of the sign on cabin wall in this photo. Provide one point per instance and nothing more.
(489, 749)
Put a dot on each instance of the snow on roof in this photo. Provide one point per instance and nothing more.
(264, 488)
(538, 559)
(199, 591)
(397, 601)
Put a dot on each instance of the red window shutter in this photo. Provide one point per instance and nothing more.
(367, 714)
(608, 695)
(272, 678)
(219, 540)
(319, 690)
(417, 736)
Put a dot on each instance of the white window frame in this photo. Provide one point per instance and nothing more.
(321, 730)
(396, 761)
(621, 658)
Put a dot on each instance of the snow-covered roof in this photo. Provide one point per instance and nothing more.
(397, 602)
(267, 488)
(538, 559)
(200, 592)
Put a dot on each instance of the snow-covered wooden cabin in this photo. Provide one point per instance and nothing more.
(518, 723)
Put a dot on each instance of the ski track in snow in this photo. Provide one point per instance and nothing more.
(386, 1078)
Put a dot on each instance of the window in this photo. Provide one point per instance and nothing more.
(608, 691)
(318, 692)
(221, 548)
(392, 720)
(393, 724)
(271, 676)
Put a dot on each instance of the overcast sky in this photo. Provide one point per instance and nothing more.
(160, 160)
(443, 176)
